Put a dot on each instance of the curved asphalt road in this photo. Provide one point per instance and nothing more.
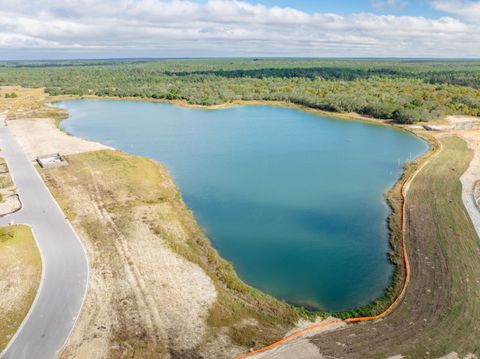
(65, 268)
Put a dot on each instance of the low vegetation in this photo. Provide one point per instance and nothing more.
(21, 267)
(405, 91)
(28, 103)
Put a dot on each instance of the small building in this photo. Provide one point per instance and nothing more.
(53, 160)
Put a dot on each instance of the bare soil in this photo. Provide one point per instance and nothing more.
(9, 201)
(40, 137)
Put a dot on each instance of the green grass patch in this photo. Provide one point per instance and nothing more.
(21, 267)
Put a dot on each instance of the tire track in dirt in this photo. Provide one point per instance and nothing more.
(145, 302)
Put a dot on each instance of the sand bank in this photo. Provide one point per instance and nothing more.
(40, 137)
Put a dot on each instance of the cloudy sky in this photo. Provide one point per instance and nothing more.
(49, 29)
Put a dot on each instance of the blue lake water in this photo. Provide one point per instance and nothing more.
(293, 199)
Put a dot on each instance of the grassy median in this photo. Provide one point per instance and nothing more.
(21, 268)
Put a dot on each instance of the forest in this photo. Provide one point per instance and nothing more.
(402, 90)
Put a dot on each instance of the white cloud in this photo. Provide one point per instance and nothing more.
(469, 10)
(224, 27)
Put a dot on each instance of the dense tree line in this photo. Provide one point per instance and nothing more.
(405, 91)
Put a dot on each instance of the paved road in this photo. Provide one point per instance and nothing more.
(65, 268)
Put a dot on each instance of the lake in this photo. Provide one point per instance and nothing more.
(295, 200)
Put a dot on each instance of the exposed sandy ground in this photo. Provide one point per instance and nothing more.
(454, 355)
(40, 137)
(139, 286)
(298, 349)
(10, 203)
(464, 122)
(144, 300)
(471, 178)
(476, 194)
(301, 348)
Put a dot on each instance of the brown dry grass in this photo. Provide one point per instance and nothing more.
(30, 103)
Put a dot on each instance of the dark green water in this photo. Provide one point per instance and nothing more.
(294, 200)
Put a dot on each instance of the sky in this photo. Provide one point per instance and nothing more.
(70, 29)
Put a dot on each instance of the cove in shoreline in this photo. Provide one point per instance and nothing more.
(318, 239)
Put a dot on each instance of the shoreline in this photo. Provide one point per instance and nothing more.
(378, 305)
(349, 116)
